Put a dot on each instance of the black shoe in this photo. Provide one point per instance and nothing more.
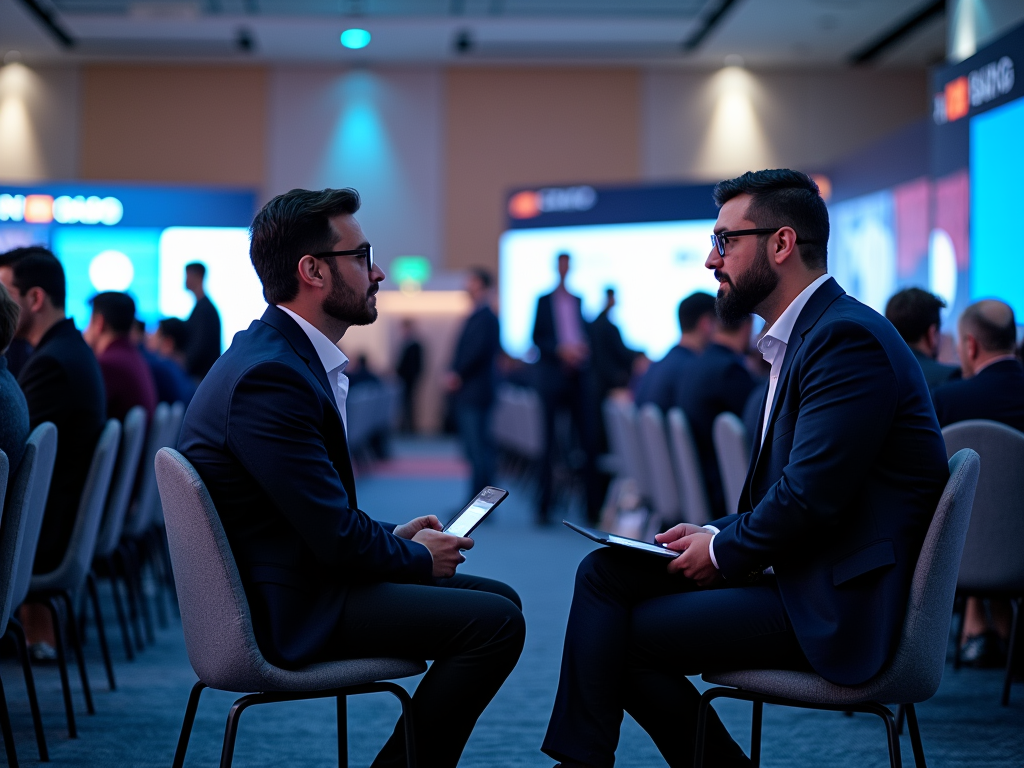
(984, 651)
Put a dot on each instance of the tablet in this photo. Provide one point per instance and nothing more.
(474, 513)
(614, 540)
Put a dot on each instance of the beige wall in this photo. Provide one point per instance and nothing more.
(177, 124)
(39, 123)
(510, 127)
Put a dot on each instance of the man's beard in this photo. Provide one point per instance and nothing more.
(748, 290)
(348, 305)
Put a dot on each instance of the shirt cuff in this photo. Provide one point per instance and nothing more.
(711, 545)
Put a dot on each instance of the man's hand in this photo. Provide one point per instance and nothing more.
(677, 532)
(444, 549)
(695, 562)
(410, 529)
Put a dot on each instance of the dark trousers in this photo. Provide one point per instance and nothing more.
(475, 431)
(635, 632)
(470, 627)
(564, 391)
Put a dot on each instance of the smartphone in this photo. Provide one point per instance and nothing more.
(474, 513)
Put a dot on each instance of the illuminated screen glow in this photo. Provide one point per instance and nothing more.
(652, 266)
(355, 38)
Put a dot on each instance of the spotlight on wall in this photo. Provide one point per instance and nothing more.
(355, 38)
(463, 42)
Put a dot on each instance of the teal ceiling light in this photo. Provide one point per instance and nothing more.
(355, 38)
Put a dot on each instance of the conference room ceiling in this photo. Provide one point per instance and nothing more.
(696, 33)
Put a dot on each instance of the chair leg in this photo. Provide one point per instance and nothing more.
(1008, 677)
(755, 734)
(408, 725)
(157, 564)
(133, 601)
(62, 664)
(231, 729)
(895, 758)
(76, 645)
(122, 621)
(960, 610)
(702, 722)
(915, 736)
(101, 632)
(186, 726)
(342, 731)
(30, 686)
(8, 732)
(901, 713)
(140, 588)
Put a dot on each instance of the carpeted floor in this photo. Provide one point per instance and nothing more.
(137, 725)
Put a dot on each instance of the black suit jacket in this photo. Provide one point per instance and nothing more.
(611, 361)
(265, 434)
(62, 383)
(935, 373)
(551, 372)
(478, 345)
(997, 393)
(840, 495)
(203, 346)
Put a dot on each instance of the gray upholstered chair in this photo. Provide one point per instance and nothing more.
(732, 448)
(218, 626)
(133, 437)
(992, 565)
(914, 673)
(65, 582)
(5, 717)
(692, 494)
(654, 447)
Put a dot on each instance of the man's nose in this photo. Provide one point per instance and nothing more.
(714, 260)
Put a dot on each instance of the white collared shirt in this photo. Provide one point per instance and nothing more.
(334, 361)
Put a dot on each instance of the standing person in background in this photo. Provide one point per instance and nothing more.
(203, 325)
(697, 323)
(13, 408)
(409, 370)
(126, 376)
(559, 332)
(916, 316)
(472, 380)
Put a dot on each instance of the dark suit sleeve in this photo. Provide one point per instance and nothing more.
(544, 327)
(45, 384)
(940, 400)
(272, 430)
(477, 346)
(848, 398)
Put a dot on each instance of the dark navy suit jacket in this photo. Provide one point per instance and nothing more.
(551, 372)
(659, 384)
(265, 434)
(840, 495)
(478, 345)
(997, 394)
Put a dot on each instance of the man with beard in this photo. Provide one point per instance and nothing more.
(814, 572)
(266, 430)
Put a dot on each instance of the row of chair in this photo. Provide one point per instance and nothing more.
(113, 531)
(518, 422)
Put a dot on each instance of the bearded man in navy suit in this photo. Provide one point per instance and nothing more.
(814, 572)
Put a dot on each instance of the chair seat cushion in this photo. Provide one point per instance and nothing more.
(803, 686)
(326, 675)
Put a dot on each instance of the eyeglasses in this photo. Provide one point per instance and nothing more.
(719, 240)
(366, 251)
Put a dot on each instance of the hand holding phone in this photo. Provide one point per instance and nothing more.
(445, 550)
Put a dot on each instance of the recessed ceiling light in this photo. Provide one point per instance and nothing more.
(355, 38)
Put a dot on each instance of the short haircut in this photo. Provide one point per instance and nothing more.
(992, 324)
(196, 268)
(290, 226)
(784, 198)
(9, 311)
(912, 312)
(693, 308)
(176, 330)
(117, 310)
(37, 267)
(483, 276)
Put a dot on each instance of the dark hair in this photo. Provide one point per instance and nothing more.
(9, 311)
(912, 312)
(176, 330)
(116, 308)
(483, 276)
(693, 308)
(287, 228)
(37, 267)
(196, 268)
(992, 332)
(784, 198)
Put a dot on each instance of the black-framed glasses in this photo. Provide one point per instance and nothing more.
(366, 251)
(719, 240)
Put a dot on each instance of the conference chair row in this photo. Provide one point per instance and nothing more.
(111, 530)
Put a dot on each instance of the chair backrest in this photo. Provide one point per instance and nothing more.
(132, 438)
(175, 418)
(916, 669)
(5, 471)
(23, 517)
(70, 574)
(654, 444)
(692, 494)
(992, 558)
(732, 448)
(632, 460)
(214, 612)
(138, 519)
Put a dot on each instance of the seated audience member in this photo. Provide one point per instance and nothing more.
(166, 348)
(697, 323)
(266, 432)
(916, 315)
(162, 377)
(359, 372)
(13, 408)
(17, 355)
(814, 572)
(718, 381)
(125, 373)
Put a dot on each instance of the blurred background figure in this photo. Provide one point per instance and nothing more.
(697, 323)
(166, 349)
(203, 326)
(916, 314)
(359, 371)
(13, 407)
(559, 332)
(471, 380)
(409, 370)
(126, 376)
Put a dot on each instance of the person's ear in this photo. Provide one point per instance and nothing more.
(310, 272)
(36, 299)
(782, 244)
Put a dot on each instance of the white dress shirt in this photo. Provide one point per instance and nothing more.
(333, 359)
(773, 346)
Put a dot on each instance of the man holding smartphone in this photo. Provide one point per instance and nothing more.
(266, 431)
